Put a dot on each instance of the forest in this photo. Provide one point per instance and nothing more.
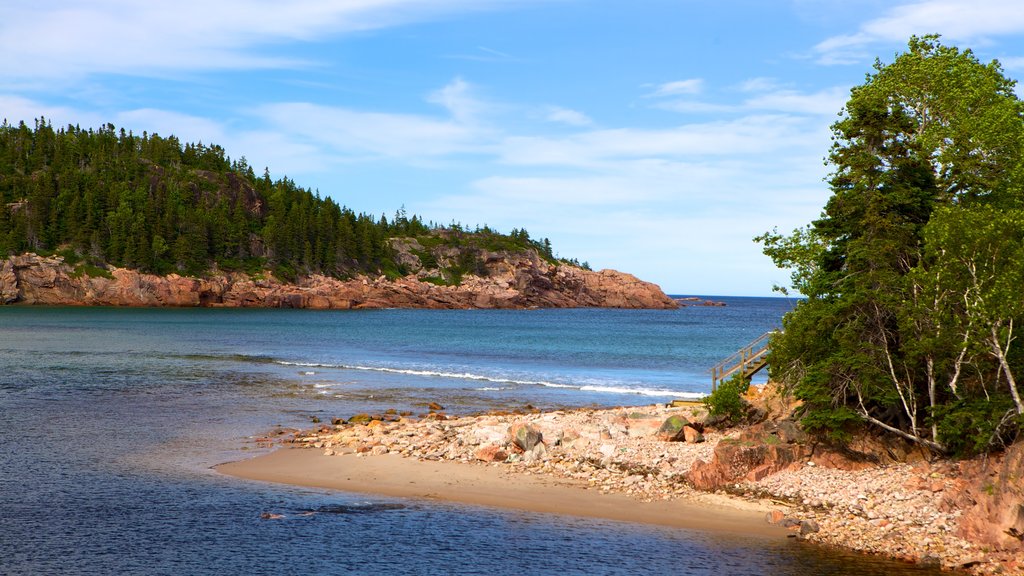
(913, 275)
(109, 197)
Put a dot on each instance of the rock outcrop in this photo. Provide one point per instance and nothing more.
(992, 495)
(507, 281)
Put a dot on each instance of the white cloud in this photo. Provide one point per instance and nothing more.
(695, 107)
(15, 109)
(825, 102)
(67, 39)
(748, 135)
(760, 84)
(456, 98)
(561, 115)
(956, 20)
(185, 127)
(357, 134)
(677, 88)
(1013, 63)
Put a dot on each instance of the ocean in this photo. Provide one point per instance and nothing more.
(111, 419)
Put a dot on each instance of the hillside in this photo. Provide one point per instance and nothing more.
(108, 217)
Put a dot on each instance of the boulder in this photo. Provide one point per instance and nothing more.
(525, 436)
(753, 456)
(809, 527)
(691, 435)
(672, 426)
(491, 453)
(363, 419)
(789, 432)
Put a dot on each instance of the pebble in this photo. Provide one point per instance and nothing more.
(887, 510)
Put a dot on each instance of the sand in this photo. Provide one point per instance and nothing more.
(493, 486)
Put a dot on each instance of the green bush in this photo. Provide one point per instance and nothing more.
(726, 401)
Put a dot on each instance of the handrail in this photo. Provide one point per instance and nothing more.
(750, 358)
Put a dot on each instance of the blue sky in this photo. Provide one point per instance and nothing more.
(655, 137)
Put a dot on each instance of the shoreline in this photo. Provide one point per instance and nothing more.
(495, 486)
(664, 465)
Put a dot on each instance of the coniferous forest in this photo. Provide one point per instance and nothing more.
(154, 204)
(914, 272)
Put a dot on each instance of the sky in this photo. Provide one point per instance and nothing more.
(656, 137)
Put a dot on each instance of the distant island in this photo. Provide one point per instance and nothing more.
(107, 217)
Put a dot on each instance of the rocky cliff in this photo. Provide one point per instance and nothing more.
(503, 280)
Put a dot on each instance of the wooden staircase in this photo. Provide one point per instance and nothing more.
(750, 360)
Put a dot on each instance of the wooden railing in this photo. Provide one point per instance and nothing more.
(750, 359)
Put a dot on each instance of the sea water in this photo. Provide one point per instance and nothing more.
(110, 420)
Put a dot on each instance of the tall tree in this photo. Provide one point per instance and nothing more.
(934, 129)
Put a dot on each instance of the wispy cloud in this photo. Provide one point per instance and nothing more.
(485, 54)
(956, 20)
(764, 95)
(64, 39)
(677, 88)
(566, 116)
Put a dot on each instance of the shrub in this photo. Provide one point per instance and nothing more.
(725, 400)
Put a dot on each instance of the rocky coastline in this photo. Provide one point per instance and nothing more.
(956, 515)
(511, 280)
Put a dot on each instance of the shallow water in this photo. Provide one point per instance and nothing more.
(111, 418)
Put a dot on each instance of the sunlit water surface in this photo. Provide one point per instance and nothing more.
(110, 420)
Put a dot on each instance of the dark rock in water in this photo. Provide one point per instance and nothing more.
(809, 527)
(271, 516)
(672, 426)
(360, 419)
(525, 436)
(435, 406)
(789, 522)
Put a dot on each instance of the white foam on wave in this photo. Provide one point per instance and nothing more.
(601, 389)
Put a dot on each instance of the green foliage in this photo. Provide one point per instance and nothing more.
(725, 399)
(85, 269)
(912, 273)
(151, 203)
(975, 425)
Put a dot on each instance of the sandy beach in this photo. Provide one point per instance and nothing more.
(497, 486)
(660, 465)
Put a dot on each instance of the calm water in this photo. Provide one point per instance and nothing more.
(111, 418)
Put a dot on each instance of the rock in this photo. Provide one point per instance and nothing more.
(271, 516)
(525, 436)
(775, 516)
(434, 406)
(789, 432)
(691, 435)
(992, 495)
(363, 419)
(491, 453)
(512, 280)
(671, 427)
(755, 452)
(809, 527)
(537, 454)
